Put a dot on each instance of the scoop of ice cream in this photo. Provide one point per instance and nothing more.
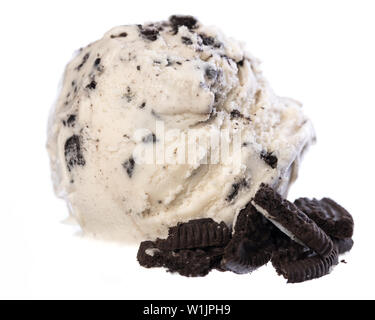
(166, 122)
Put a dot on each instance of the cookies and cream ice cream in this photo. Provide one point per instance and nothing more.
(166, 122)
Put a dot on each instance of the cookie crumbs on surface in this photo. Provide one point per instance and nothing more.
(269, 158)
(129, 166)
(186, 40)
(121, 35)
(91, 85)
(84, 59)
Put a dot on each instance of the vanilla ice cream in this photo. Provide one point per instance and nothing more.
(132, 107)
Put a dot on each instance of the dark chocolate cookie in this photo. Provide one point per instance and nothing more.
(186, 262)
(149, 256)
(299, 264)
(199, 233)
(328, 215)
(192, 249)
(251, 245)
(292, 221)
(193, 262)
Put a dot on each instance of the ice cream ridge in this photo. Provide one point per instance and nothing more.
(169, 122)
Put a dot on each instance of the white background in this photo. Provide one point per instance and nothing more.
(319, 52)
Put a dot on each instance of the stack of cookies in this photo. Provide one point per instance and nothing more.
(302, 240)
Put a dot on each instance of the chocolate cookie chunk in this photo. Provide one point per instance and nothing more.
(92, 85)
(73, 152)
(193, 262)
(120, 35)
(251, 245)
(236, 187)
(269, 158)
(149, 255)
(328, 215)
(210, 41)
(199, 233)
(191, 249)
(292, 221)
(299, 264)
(84, 59)
(188, 21)
(70, 121)
(186, 262)
(150, 33)
(129, 165)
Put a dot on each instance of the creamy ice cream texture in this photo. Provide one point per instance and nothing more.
(146, 90)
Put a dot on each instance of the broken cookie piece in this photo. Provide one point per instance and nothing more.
(328, 215)
(199, 233)
(299, 264)
(192, 249)
(292, 221)
(251, 245)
